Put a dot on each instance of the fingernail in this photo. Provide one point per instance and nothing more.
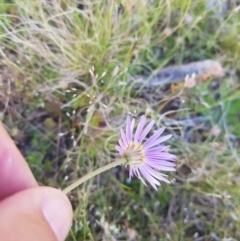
(58, 213)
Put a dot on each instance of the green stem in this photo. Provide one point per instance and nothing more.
(92, 174)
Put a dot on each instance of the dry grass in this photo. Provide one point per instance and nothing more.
(66, 88)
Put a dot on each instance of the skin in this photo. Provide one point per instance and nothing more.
(28, 212)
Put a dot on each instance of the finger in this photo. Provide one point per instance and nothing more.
(37, 214)
(15, 174)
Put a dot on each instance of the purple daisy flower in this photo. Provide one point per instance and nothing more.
(148, 158)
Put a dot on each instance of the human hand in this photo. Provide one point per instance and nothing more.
(28, 212)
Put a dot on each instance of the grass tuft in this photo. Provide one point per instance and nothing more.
(67, 84)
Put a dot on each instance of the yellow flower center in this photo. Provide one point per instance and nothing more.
(134, 154)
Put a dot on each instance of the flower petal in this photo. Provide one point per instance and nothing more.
(158, 141)
(130, 172)
(161, 155)
(128, 130)
(124, 139)
(156, 174)
(132, 123)
(161, 167)
(154, 137)
(149, 178)
(146, 130)
(132, 127)
(121, 144)
(138, 175)
(119, 149)
(161, 162)
(156, 149)
(140, 128)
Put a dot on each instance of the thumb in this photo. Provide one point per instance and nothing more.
(38, 214)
